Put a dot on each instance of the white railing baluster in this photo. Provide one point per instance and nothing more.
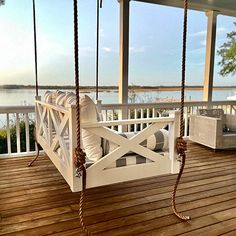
(50, 128)
(112, 117)
(18, 133)
(135, 117)
(8, 135)
(186, 122)
(141, 125)
(27, 132)
(129, 117)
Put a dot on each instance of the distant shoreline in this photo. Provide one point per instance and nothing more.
(134, 88)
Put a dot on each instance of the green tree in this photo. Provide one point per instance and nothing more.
(2, 2)
(227, 52)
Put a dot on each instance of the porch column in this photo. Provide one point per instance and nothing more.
(124, 54)
(210, 55)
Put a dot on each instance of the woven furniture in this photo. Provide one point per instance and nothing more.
(213, 128)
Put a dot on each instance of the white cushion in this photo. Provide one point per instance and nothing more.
(70, 100)
(60, 99)
(51, 97)
(56, 94)
(48, 96)
(91, 143)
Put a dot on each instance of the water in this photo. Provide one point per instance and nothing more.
(11, 97)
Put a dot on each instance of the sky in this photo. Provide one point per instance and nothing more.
(155, 43)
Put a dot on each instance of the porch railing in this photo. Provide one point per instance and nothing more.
(18, 121)
(148, 110)
(16, 130)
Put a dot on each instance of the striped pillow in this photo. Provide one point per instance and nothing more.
(156, 142)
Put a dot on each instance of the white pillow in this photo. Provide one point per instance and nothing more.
(48, 96)
(91, 143)
(60, 99)
(55, 94)
(70, 100)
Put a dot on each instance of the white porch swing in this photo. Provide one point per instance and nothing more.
(61, 130)
(56, 133)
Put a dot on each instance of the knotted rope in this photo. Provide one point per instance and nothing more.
(79, 155)
(181, 144)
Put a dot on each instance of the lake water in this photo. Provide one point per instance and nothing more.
(10, 97)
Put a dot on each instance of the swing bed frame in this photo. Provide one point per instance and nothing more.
(55, 127)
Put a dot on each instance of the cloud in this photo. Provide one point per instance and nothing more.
(197, 63)
(204, 32)
(101, 33)
(203, 42)
(136, 50)
(201, 50)
(17, 46)
(107, 49)
(47, 44)
(199, 33)
(221, 29)
(86, 49)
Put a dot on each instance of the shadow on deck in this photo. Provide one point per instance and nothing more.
(37, 201)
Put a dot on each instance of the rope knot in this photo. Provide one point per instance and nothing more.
(181, 146)
(79, 158)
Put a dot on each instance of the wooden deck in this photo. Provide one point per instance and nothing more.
(37, 201)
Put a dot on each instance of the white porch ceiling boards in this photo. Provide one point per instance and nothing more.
(224, 7)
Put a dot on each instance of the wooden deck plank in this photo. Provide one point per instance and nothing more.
(37, 201)
(215, 229)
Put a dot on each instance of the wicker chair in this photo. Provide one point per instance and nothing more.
(213, 128)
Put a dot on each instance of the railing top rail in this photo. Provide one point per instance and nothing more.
(16, 109)
(164, 120)
(31, 108)
(167, 104)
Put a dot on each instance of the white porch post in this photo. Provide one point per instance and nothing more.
(210, 55)
(124, 55)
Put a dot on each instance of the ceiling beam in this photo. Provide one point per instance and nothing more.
(194, 6)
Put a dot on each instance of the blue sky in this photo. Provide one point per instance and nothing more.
(155, 43)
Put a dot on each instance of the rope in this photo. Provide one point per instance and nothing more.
(35, 52)
(180, 143)
(99, 5)
(79, 155)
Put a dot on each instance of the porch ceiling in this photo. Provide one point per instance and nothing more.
(225, 7)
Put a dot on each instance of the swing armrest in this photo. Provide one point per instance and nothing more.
(163, 120)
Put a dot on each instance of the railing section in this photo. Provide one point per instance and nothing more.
(148, 110)
(17, 122)
(16, 131)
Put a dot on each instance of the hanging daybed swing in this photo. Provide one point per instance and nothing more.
(64, 127)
